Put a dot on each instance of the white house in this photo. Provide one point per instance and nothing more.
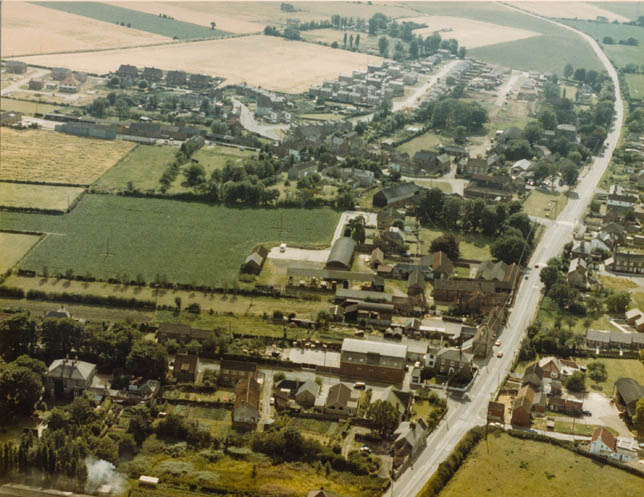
(604, 444)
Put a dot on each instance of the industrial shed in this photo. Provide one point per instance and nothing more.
(341, 254)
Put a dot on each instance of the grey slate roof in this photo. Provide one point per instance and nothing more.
(367, 346)
(71, 369)
(309, 386)
(342, 251)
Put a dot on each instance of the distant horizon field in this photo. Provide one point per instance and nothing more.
(46, 197)
(188, 242)
(509, 466)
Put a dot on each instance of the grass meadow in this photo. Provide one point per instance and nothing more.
(636, 85)
(509, 466)
(108, 235)
(150, 23)
(27, 196)
(632, 10)
(426, 141)
(620, 55)
(11, 105)
(542, 204)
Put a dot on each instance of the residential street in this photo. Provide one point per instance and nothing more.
(247, 119)
(415, 98)
(463, 415)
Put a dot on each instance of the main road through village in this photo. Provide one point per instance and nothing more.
(471, 411)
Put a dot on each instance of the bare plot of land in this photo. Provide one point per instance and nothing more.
(267, 61)
(570, 10)
(31, 29)
(50, 157)
(13, 247)
(45, 197)
(470, 33)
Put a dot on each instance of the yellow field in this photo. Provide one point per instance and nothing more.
(25, 196)
(569, 10)
(31, 29)
(267, 61)
(470, 33)
(13, 247)
(251, 17)
(53, 157)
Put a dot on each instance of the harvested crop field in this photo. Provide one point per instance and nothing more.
(267, 61)
(32, 29)
(41, 197)
(570, 10)
(109, 235)
(468, 32)
(13, 247)
(50, 157)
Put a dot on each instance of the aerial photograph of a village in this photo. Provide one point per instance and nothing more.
(321, 248)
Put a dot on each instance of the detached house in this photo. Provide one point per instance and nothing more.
(605, 444)
(522, 406)
(410, 441)
(231, 372)
(186, 367)
(341, 401)
(69, 377)
(307, 393)
(577, 273)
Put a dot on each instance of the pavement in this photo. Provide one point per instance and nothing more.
(247, 119)
(464, 415)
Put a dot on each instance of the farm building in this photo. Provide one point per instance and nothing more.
(255, 260)
(246, 409)
(60, 73)
(182, 333)
(627, 393)
(105, 132)
(36, 84)
(341, 254)
(186, 367)
(16, 67)
(396, 195)
(378, 361)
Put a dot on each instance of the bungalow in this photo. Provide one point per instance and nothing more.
(399, 194)
(577, 273)
(246, 408)
(186, 367)
(627, 393)
(341, 401)
(231, 372)
(307, 393)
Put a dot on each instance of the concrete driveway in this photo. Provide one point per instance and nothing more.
(603, 413)
(297, 254)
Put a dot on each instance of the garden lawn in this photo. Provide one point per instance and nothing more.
(425, 141)
(143, 166)
(617, 283)
(616, 369)
(509, 466)
(542, 204)
(472, 246)
(107, 236)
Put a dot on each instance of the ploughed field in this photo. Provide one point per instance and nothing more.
(107, 236)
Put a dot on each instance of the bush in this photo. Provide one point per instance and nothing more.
(12, 293)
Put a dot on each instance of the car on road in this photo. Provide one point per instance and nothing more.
(359, 385)
(282, 247)
(526, 277)
(587, 413)
(498, 343)
(272, 401)
(499, 353)
(366, 449)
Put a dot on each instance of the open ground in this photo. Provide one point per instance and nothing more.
(267, 61)
(468, 32)
(510, 466)
(13, 247)
(45, 197)
(50, 157)
(109, 236)
(570, 10)
(31, 29)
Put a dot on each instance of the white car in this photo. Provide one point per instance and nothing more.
(499, 353)
(282, 247)
(498, 343)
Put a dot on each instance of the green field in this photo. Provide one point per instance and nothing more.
(136, 19)
(13, 247)
(636, 85)
(508, 466)
(620, 55)
(25, 196)
(616, 369)
(214, 157)
(9, 104)
(632, 10)
(548, 53)
(107, 235)
(474, 246)
(143, 166)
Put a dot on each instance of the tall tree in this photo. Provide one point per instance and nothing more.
(60, 337)
(18, 335)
